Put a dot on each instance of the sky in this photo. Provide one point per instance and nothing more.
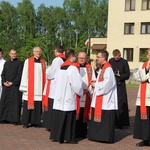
(37, 3)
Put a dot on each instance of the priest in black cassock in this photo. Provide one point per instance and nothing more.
(122, 72)
(10, 104)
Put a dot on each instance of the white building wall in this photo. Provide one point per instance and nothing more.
(116, 38)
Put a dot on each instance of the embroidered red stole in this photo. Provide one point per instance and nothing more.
(88, 98)
(31, 80)
(143, 109)
(99, 99)
(45, 97)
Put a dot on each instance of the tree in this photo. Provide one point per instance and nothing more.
(71, 25)
(8, 27)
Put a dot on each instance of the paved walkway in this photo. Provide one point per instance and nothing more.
(17, 138)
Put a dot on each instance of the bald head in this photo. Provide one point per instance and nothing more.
(82, 57)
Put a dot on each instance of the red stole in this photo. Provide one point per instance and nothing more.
(99, 99)
(88, 98)
(45, 97)
(61, 55)
(143, 109)
(31, 80)
(67, 63)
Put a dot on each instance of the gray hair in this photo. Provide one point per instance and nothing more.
(36, 47)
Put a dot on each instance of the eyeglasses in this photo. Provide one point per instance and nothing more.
(37, 51)
(98, 57)
(81, 58)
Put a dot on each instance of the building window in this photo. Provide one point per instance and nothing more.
(130, 5)
(142, 54)
(145, 4)
(129, 28)
(145, 28)
(128, 54)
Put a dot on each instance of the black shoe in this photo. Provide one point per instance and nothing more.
(48, 130)
(71, 142)
(25, 126)
(54, 140)
(61, 142)
(143, 143)
(2, 122)
(35, 125)
(16, 123)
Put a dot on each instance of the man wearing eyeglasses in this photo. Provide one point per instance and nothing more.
(87, 75)
(104, 102)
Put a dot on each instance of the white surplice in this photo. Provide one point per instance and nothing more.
(143, 76)
(38, 81)
(51, 72)
(68, 84)
(84, 76)
(2, 62)
(108, 89)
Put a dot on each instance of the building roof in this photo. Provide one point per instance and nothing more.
(98, 46)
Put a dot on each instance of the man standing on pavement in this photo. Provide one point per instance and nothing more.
(10, 104)
(142, 116)
(121, 70)
(87, 74)
(32, 85)
(49, 90)
(66, 108)
(104, 102)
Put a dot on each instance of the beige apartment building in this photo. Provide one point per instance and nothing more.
(128, 30)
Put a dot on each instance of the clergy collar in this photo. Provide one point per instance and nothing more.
(118, 59)
(36, 59)
(82, 65)
(13, 59)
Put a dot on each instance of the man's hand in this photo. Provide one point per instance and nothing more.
(85, 91)
(93, 83)
(8, 84)
(118, 74)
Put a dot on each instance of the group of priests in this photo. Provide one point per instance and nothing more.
(73, 102)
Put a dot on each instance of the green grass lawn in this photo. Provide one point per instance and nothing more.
(132, 85)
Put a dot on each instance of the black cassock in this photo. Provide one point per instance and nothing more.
(122, 114)
(11, 99)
